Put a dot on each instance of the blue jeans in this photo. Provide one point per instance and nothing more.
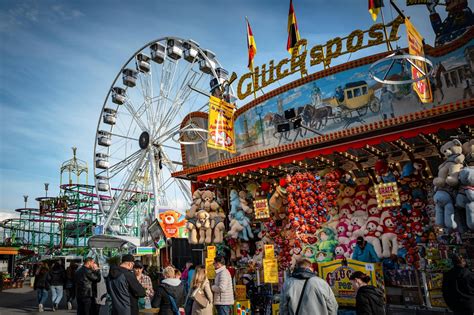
(57, 293)
(42, 295)
(224, 309)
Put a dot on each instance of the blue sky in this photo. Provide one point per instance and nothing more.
(58, 58)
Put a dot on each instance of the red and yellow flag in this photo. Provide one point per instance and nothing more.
(251, 46)
(293, 33)
(374, 8)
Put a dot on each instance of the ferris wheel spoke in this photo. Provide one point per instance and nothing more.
(181, 185)
(135, 116)
(122, 164)
(127, 181)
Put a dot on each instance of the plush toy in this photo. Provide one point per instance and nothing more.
(372, 235)
(384, 174)
(235, 228)
(444, 207)
(327, 240)
(360, 203)
(234, 203)
(207, 199)
(346, 196)
(466, 178)
(468, 151)
(374, 213)
(341, 251)
(203, 224)
(244, 221)
(346, 211)
(415, 222)
(276, 201)
(352, 244)
(195, 205)
(448, 171)
(362, 186)
(419, 167)
(389, 236)
(343, 234)
(192, 231)
(295, 256)
(244, 203)
(356, 228)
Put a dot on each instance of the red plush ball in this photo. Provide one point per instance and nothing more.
(265, 186)
(283, 182)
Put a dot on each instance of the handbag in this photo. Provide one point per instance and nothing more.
(200, 298)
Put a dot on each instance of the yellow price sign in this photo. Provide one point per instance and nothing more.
(211, 272)
(269, 251)
(270, 270)
(211, 252)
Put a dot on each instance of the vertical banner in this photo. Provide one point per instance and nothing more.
(211, 252)
(270, 270)
(415, 47)
(210, 270)
(221, 125)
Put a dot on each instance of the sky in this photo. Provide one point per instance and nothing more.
(58, 59)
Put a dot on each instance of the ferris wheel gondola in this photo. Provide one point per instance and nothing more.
(135, 149)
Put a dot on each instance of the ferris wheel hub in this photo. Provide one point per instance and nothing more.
(144, 140)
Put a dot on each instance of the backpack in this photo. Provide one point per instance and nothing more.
(174, 306)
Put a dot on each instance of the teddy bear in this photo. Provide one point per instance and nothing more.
(360, 204)
(192, 231)
(448, 171)
(276, 201)
(195, 205)
(362, 186)
(356, 227)
(343, 232)
(415, 222)
(351, 246)
(468, 151)
(389, 236)
(374, 213)
(208, 200)
(170, 222)
(466, 178)
(296, 253)
(203, 224)
(346, 195)
(341, 252)
(444, 207)
(234, 203)
(346, 211)
(243, 202)
(235, 228)
(372, 235)
(244, 221)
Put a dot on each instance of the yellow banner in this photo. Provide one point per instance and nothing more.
(387, 195)
(270, 270)
(269, 251)
(415, 47)
(211, 252)
(211, 272)
(337, 276)
(221, 125)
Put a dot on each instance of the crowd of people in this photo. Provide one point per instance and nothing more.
(191, 292)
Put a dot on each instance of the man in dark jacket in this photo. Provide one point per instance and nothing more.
(124, 288)
(57, 278)
(86, 279)
(458, 287)
(170, 287)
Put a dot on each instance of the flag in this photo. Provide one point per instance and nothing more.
(251, 46)
(293, 33)
(374, 8)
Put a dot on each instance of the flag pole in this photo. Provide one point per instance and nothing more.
(389, 46)
(247, 26)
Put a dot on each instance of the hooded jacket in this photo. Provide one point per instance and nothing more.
(41, 281)
(458, 290)
(124, 289)
(86, 280)
(367, 254)
(57, 277)
(370, 301)
(317, 298)
(173, 287)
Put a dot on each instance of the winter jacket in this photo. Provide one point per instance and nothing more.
(317, 298)
(41, 280)
(86, 280)
(101, 296)
(57, 277)
(197, 309)
(370, 301)
(222, 288)
(173, 287)
(458, 290)
(367, 254)
(124, 289)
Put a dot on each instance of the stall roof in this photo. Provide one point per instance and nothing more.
(8, 250)
(109, 241)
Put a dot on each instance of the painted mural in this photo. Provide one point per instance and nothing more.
(347, 99)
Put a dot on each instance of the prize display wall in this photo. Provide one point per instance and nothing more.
(374, 162)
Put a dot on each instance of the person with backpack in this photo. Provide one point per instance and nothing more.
(369, 299)
(169, 296)
(57, 279)
(41, 286)
(124, 288)
(305, 293)
(69, 287)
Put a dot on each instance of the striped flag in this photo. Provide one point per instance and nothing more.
(374, 8)
(251, 46)
(293, 33)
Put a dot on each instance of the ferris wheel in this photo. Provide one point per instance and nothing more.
(137, 144)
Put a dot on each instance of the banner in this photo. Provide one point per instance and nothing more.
(387, 195)
(337, 276)
(210, 271)
(221, 125)
(415, 47)
(270, 270)
(173, 223)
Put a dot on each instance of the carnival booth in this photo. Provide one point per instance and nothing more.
(332, 156)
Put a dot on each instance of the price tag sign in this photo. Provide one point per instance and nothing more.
(269, 251)
(211, 272)
(270, 270)
(211, 252)
(369, 267)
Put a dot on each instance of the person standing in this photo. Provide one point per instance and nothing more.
(386, 100)
(222, 288)
(305, 293)
(364, 251)
(458, 287)
(41, 286)
(57, 279)
(145, 281)
(101, 295)
(124, 288)
(369, 299)
(169, 296)
(85, 281)
(201, 284)
(70, 285)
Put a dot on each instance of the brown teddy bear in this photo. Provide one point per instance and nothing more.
(346, 196)
(203, 224)
(448, 171)
(277, 199)
(196, 205)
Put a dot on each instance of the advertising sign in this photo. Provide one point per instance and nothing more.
(261, 210)
(221, 125)
(337, 276)
(173, 223)
(415, 47)
(270, 270)
(140, 251)
(387, 195)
